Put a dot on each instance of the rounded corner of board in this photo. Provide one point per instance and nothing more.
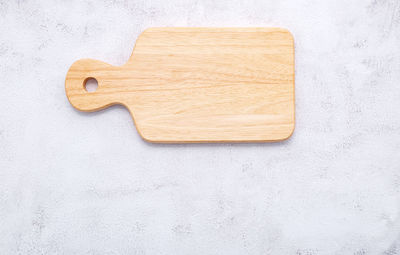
(148, 30)
(288, 135)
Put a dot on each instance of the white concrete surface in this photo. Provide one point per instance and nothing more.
(85, 183)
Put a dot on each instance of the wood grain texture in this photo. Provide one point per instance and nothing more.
(198, 85)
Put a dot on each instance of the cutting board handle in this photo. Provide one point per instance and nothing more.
(104, 96)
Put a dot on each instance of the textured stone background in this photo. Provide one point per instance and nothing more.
(79, 183)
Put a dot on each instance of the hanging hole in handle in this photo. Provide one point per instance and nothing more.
(90, 84)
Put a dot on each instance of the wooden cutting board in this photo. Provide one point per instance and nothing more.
(198, 85)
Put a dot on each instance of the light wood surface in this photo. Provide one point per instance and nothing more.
(198, 85)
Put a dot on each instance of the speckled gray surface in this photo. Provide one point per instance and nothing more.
(79, 183)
